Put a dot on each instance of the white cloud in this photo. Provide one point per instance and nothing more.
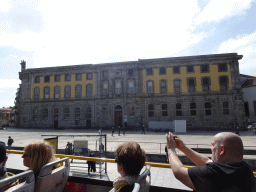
(9, 83)
(5, 6)
(218, 10)
(246, 46)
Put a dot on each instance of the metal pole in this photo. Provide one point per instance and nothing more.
(105, 153)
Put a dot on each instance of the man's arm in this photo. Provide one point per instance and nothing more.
(179, 171)
(195, 157)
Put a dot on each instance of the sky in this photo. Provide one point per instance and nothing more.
(48, 33)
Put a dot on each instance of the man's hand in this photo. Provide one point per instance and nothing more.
(170, 141)
(179, 143)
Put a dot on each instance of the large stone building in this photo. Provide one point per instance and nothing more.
(204, 90)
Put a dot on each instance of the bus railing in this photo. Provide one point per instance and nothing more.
(104, 160)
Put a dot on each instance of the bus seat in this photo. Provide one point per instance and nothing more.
(53, 180)
(142, 180)
(27, 186)
(136, 187)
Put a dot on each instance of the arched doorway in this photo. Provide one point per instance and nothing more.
(118, 115)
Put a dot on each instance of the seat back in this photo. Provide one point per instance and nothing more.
(27, 186)
(144, 184)
(53, 180)
(136, 187)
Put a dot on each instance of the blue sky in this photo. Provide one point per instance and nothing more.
(56, 33)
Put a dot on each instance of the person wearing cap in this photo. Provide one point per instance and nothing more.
(3, 171)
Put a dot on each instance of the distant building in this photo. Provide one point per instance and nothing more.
(248, 84)
(204, 90)
(6, 115)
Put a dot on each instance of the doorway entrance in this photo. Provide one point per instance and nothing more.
(118, 116)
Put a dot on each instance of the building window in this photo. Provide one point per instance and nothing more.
(77, 115)
(164, 110)
(36, 93)
(223, 82)
(191, 85)
(45, 114)
(225, 108)
(88, 113)
(151, 110)
(206, 83)
(55, 113)
(192, 109)
(105, 88)
(78, 77)
(177, 84)
(222, 67)
(57, 92)
(176, 70)
(35, 115)
(89, 90)
(150, 87)
(67, 77)
(47, 79)
(131, 111)
(67, 91)
(105, 74)
(37, 79)
(46, 92)
(57, 78)
(163, 87)
(118, 87)
(104, 111)
(130, 72)
(78, 91)
(66, 113)
(162, 71)
(131, 87)
(149, 71)
(178, 109)
(89, 76)
(190, 69)
(208, 110)
(205, 68)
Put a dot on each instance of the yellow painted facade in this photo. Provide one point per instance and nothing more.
(62, 84)
(183, 76)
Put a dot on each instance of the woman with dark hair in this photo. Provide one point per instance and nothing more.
(37, 154)
(130, 160)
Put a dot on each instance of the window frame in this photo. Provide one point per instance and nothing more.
(57, 78)
(163, 89)
(46, 95)
(203, 70)
(66, 113)
(204, 85)
(188, 69)
(37, 79)
(105, 91)
(131, 90)
(67, 93)
(164, 110)
(78, 93)
(208, 110)
(150, 72)
(67, 77)
(148, 92)
(89, 90)
(177, 88)
(36, 95)
(47, 79)
(89, 76)
(176, 70)
(56, 92)
(151, 110)
(225, 108)
(191, 88)
(178, 109)
(118, 90)
(78, 76)
(193, 109)
(220, 67)
(223, 84)
(162, 71)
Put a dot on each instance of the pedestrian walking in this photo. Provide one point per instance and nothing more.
(119, 129)
(9, 143)
(113, 131)
(125, 125)
(143, 129)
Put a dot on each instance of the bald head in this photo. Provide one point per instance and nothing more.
(233, 144)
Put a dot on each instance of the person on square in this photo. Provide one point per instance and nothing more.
(113, 131)
(225, 171)
(3, 171)
(36, 155)
(9, 143)
(130, 160)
